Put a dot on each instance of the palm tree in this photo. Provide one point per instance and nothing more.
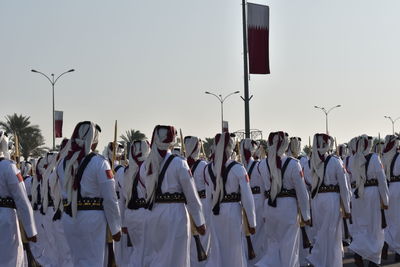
(208, 142)
(132, 135)
(30, 136)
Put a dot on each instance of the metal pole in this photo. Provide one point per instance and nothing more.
(222, 115)
(393, 127)
(54, 127)
(246, 74)
(326, 123)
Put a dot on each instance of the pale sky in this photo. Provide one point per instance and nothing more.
(149, 62)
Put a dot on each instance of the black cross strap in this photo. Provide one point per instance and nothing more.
(252, 168)
(326, 161)
(392, 166)
(271, 202)
(195, 165)
(368, 158)
(162, 173)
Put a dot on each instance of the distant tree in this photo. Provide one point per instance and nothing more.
(207, 143)
(30, 138)
(307, 150)
(132, 135)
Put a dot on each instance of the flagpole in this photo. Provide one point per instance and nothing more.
(246, 98)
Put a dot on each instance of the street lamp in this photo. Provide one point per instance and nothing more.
(221, 100)
(326, 114)
(53, 82)
(393, 121)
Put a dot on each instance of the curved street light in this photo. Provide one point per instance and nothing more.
(393, 121)
(53, 82)
(221, 100)
(326, 114)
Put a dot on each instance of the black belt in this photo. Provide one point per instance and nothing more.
(7, 202)
(135, 204)
(328, 189)
(256, 190)
(171, 198)
(395, 179)
(233, 197)
(283, 193)
(202, 193)
(370, 182)
(86, 203)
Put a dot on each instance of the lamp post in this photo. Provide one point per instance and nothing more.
(326, 114)
(393, 121)
(221, 100)
(53, 82)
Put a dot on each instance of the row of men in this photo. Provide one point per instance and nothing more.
(162, 202)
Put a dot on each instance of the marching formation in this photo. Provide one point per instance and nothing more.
(152, 204)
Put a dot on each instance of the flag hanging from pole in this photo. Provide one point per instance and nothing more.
(258, 38)
(58, 123)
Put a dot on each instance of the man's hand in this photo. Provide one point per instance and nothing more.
(308, 222)
(385, 207)
(32, 239)
(252, 230)
(124, 230)
(347, 215)
(201, 229)
(117, 236)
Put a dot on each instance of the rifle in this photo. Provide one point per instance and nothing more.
(250, 249)
(111, 254)
(201, 253)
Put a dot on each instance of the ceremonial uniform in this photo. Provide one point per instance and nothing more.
(13, 201)
(330, 191)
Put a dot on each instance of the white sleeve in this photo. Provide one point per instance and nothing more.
(246, 194)
(343, 184)
(18, 192)
(189, 189)
(382, 182)
(110, 200)
(303, 198)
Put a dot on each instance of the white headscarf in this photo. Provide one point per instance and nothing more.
(39, 171)
(322, 144)
(223, 145)
(363, 148)
(119, 151)
(139, 151)
(84, 136)
(294, 149)
(247, 150)
(26, 168)
(278, 143)
(163, 137)
(51, 159)
(4, 150)
(389, 150)
(192, 146)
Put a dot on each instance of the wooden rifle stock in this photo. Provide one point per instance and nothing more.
(346, 229)
(383, 219)
(250, 250)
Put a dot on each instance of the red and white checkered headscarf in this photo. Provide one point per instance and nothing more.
(163, 137)
(278, 143)
(389, 150)
(139, 151)
(192, 146)
(322, 144)
(247, 148)
(84, 136)
(363, 148)
(224, 145)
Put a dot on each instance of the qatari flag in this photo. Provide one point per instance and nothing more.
(58, 123)
(257, 38)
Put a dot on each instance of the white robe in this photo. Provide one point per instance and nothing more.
(86, 233)
(282, 227)
(167, 234)
(367, 232)
(227, 246)
(12, 185)
(392, 232)
(327, 220)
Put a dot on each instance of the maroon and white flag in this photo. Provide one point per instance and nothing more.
(257, 38)
(58, 123)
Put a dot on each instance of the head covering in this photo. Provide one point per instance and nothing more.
(223, 145)
(37, 178)
(4, 150)
(343, 150)
(322, 144)
(50, 160)
(278, 143)
(192, 146)
(118, 154)
(352, 146)
(363, 148)
(85, 135)
(162, 138)
(294, 149)
(26, 168)
(389, 150)
(139, 151)
(247, 149)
